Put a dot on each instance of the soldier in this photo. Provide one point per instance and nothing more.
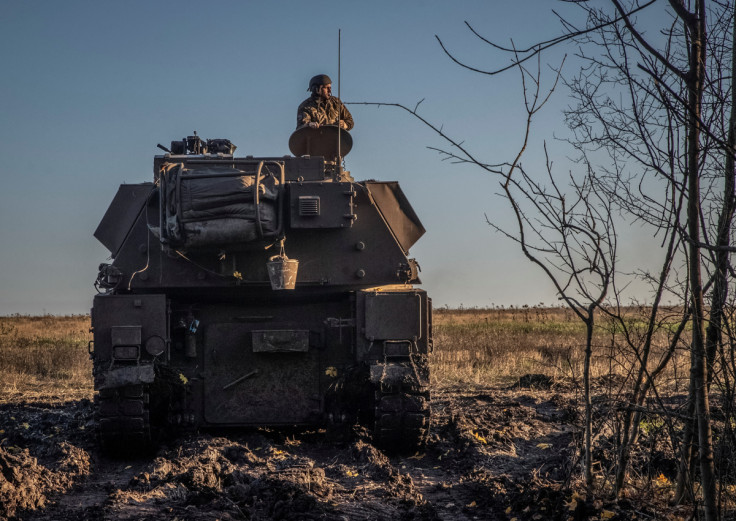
(321, 108)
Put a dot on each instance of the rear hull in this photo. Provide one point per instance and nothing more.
(315, 359)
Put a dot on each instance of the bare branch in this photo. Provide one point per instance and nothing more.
(534, 49)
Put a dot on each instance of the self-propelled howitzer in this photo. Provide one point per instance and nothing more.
(248, 291)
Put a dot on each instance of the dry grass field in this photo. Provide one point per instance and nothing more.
(48, 354)
(492, 345)
(496, 346)
(45, 356)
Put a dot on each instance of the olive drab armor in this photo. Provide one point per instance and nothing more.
(259, 291)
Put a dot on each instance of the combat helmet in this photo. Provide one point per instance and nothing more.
(319, 79)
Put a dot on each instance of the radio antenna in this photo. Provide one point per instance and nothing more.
(339, 129)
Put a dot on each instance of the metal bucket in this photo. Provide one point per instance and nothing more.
(282, 272)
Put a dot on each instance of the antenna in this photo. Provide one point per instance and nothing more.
(339, 129)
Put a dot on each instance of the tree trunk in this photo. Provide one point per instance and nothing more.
(588, 459)
(700, 366)
(684, 491)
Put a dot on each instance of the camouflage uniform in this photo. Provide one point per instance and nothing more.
(323, 112)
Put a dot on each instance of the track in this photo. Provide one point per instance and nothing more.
(124, 421)
(402, 408)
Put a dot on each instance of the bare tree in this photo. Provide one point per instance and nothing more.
(652, 120)
(572, 238)
(675, 91)
(568, 230)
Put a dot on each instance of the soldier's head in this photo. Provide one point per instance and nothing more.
(321, 86)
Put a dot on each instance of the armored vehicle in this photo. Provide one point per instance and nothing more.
(259, 291)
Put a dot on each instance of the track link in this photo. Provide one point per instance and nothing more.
(402, 409)
(123, 420)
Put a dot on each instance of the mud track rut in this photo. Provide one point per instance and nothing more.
(493, 453)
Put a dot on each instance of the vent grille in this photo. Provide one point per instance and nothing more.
(308, 205)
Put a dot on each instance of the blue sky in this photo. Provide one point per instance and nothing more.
(90, 87)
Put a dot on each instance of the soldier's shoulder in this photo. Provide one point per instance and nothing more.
(307, 102)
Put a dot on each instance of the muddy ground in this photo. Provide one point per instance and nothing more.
(504, 452)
